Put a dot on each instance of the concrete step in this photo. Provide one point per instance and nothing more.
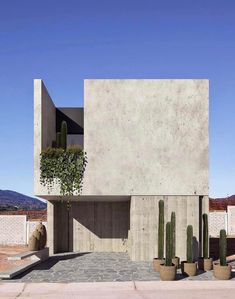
(21, 256)
(18, 270)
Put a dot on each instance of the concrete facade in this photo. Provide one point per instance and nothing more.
(44, 129)
(145, 140)
(146, 137)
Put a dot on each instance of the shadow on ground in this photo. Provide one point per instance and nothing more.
(52, 261)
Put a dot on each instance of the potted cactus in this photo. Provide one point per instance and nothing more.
(189, 267)
(168, 269)
(160, 259)
(222, 270)
(175, 259)
(205, 263)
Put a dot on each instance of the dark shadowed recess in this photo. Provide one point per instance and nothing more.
(73, 117)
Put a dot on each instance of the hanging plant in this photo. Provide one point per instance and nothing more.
(64, 167)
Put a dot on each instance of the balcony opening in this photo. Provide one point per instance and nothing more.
(74, 118)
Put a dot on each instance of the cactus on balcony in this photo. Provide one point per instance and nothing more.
(161, 230)
(63, 137)
(205, 236)
(222, 247)
(58, 139)
(189, 244)
(168, 244)
(173, 233)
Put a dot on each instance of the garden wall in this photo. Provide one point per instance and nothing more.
(15, 229)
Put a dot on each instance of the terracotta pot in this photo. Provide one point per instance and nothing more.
(38, 236)
(167, 272)
(176, 261)
(205, 264)
(156, 264)
(189, 269)
(222, 272)
(33, 243)
(43, 241)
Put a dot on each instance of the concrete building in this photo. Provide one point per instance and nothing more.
(145, 140)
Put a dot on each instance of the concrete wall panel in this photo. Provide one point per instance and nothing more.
(44, 129)
(100, 226)
(146, 137)
(144, 224)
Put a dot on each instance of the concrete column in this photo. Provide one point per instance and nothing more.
(51, 242)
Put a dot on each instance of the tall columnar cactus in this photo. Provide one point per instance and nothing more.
(168, 244)
(189, 244)
(173, 233)
(63, 138)
(58, 139)
(205, 236)
(222, 247)
(161, 230)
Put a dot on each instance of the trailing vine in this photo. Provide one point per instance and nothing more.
(64, 167)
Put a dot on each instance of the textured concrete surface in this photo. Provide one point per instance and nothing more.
(143, 235)
(146, 137)
(88, 226)
(123, 226)
(44, 129)
(98, 267)
(100, 226)
(135, 132)
(143, 138)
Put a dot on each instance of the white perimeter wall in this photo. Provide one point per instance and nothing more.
(16, 230)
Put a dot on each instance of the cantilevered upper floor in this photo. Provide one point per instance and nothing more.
(142, 137)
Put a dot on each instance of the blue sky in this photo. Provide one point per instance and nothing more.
(64, 42)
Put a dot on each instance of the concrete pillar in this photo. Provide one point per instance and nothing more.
(51, 242)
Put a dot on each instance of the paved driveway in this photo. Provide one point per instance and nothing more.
(96, 267)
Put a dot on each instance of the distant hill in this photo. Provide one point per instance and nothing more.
(13, 201)
(221, 203)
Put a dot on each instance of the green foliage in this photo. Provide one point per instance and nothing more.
(189, 244)
(161, 230)
(63, 137)
(222, 247)
(173, 233)
(65, 167)
(205, 236)
(58, 138)
(168, 244)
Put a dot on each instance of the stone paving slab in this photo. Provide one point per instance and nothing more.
(97, 267)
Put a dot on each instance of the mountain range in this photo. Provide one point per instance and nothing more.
(11, 200)
(221, 203)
